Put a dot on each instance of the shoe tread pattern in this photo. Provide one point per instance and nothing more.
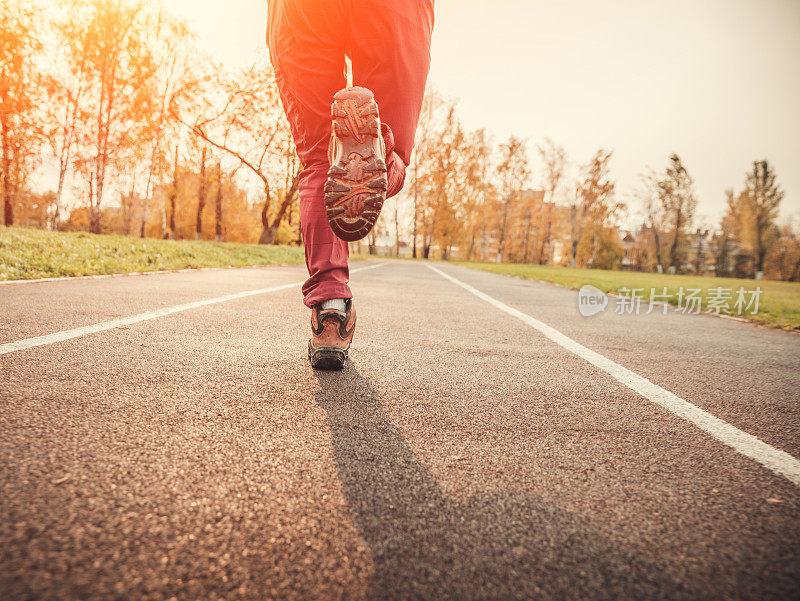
(356, 187)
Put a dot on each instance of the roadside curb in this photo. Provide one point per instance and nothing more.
(136, 273)
(103, 276)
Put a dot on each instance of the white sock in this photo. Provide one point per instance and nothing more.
(335, 303)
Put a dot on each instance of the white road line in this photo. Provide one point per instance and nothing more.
(776, 460)
(20, 345)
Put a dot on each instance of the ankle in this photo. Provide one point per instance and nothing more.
(338, 304)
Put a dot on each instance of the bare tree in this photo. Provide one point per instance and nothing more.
(513, 174)
(700, 252)
(288, 193)
(722, 240)
(676, 193)
(66, 84)
(176, 80)
(554, 158)
(761, 197)
(246, 122)
(654, 214)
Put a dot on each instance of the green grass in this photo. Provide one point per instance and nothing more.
(779, 302)
(30, 253)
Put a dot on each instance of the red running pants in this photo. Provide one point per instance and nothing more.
(388, 42)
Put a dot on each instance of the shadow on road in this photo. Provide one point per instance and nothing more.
(425, 545)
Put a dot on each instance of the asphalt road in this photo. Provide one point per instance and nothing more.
(462, 453)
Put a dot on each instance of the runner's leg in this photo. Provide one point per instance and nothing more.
(307, 45)
(390, 45)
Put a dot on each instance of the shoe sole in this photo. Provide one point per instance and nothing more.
(326, 357)
(359, 172)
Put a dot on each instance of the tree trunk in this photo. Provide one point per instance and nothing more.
(657, 241)
(148, 190)
(201, 198)
(795, 277)
(546, 241)
(268, 235)
(128, 209)
(173, 197)
(762, 255)
(126, 214)
(701, 253)
(270, 231)
(97, 211)
(673, 250)
(502, 233)
(416, 218)
(144, 217)
(471, 248)
(94, 221)
(164, 230)
(527, 245)
(575, 233)
(171, 229)
(94, 208)
(145, 204)
(57, 214)
(8, 204)
(396, 232)
(218, 208)
(8, 201)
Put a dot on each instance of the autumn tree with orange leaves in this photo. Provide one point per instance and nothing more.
(20, 94)
(118, 71)
(592, 210)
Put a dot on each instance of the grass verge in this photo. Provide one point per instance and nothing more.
(778, 303)
(30, 253)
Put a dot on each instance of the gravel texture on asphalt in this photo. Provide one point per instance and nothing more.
(459, 455)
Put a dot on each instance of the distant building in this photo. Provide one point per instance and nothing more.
(629, 256)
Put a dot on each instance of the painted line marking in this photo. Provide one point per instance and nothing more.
(20, 345)
(748, 445)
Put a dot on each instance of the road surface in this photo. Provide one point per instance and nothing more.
(163, 437)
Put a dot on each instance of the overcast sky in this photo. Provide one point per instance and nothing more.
(717, 81)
